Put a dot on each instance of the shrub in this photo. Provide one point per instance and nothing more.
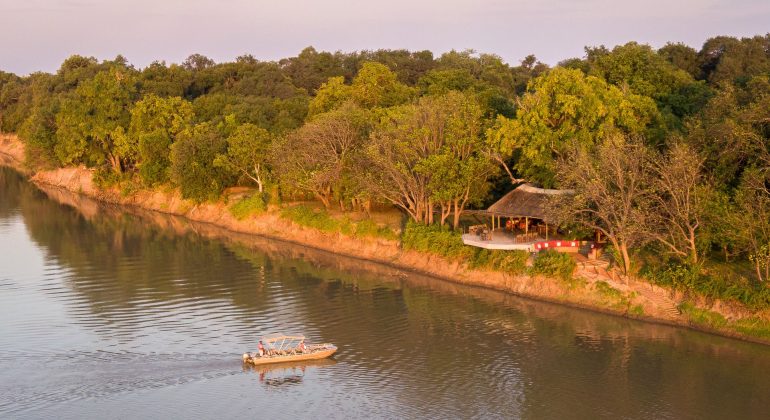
(702, 316)
(554, 264)
(248, 206)
(513, 262)
(693, 280)
(318, 219)
(369, 228)
(434, 238)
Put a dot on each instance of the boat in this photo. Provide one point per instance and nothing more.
(288, 348)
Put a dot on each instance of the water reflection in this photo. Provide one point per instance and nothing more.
(145, 301)
(285, 374)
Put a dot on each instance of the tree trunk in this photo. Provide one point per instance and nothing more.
(323, 199)
(458, 211)
(444, 212)
(626, 258)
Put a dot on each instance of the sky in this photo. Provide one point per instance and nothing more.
(37, 35)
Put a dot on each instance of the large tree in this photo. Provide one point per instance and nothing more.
(248, 153)
(680, 202)
(155, 124)
(428, 154)
(192, 162)
(95, 118)
(563, 107)
(612, 191)
(318, 157)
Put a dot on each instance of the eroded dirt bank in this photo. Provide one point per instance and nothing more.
(655, 302)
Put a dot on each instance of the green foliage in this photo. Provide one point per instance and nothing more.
(446, 242)
(693, 280)
(703, 316)
(93, 121)
(435, 239)
(753, 326)
(247, 206)
(155, 124)
(551, 263)
(368, 228)
(565, 108)
(192, 163)
(512, 262)
(616, 298)
(317, 219)
(323, 221)
(247, 153)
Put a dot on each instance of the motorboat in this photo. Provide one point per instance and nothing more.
(288, 348)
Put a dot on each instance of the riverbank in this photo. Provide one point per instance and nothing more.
(637, 299)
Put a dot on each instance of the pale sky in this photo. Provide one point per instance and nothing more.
(39, 34)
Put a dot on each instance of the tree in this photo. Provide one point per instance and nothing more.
(563, 107)
(247, 153)
(753, 204)
(155, 124)
(318, 157)
(678, 212)
(330, 95)
(375, 85)
(647, 73)
(681, 56)
(429, 154)
(192, 162)
(95, 117)
(612, 191)
(164, 81)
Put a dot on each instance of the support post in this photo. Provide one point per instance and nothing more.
(546, 231)
(526, 225)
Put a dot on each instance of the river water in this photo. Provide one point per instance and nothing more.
(115, 313)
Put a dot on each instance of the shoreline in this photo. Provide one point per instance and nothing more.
(271, 226)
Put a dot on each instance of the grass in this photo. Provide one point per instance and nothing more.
(702, 316)
(755, 327)
(323, 221)
(617, 299)
(711, 282)
(247, 206)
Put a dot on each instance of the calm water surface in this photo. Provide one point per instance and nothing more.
(107, 314)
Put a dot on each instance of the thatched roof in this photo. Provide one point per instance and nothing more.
(525, 201)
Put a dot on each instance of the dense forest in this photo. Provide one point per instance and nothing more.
(668, 150)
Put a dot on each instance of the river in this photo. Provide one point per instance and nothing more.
(120, 313)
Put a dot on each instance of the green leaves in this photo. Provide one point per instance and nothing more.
(565, 107)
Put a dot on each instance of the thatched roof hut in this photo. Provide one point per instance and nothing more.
(526, 200)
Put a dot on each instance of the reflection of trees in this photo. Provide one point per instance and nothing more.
(14, 190)
(476, 344)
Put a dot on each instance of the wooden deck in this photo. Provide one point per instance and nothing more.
(500, 239)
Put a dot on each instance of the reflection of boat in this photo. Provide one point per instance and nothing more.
(289, 373)
(288, 348)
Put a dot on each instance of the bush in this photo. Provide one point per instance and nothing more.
(554, 264)
(317, 218)
(434, 238)
(369, 228)
(248, 206)
(513, 262)
(702, 316)
(692, 279)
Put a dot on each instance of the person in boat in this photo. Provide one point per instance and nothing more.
(261, 349)
(301, 346)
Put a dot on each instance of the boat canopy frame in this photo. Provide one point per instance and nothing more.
(282, 342)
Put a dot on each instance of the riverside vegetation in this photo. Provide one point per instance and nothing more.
(668, 150)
